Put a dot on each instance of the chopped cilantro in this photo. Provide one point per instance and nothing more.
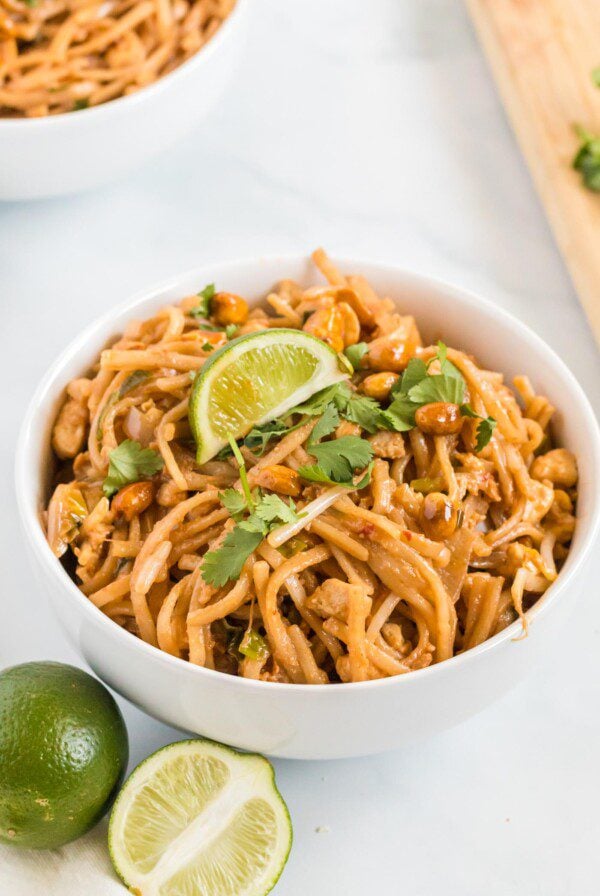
(355, 353)
(129, 462)
(485, 429)
(266, 513)
(587, 159)
(338, 461)
(202, 309)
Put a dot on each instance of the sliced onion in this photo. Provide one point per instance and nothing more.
(280, 535)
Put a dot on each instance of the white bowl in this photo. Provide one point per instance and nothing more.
(323, 721)
(59, 154)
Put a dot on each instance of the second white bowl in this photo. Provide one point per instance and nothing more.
(60, 154)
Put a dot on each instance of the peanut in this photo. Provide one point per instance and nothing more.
(133, 499)
(361, 309)
(227, 308)
(558, 465)
(440, 418)
(327, 324)
(379, 385)
(438, 516)
(350, 324)
(278, 478)
(394, 350)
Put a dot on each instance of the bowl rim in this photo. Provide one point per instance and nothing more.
(577, 557)
(142, 95)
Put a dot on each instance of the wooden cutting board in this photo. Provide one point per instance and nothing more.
(542, 53)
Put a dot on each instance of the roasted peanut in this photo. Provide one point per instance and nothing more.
(394, 350)
(350, 325)
(440, 418)
(278, 478)
(358, 305)
(133, 499)
(70, 428)
(438, 516)
(327, 324)
(558, 465)
(378, 385)
(227, 308)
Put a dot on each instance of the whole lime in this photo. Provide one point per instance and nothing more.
(63, 753)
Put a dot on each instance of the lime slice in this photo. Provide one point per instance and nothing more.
(254, 379)
(199, 819)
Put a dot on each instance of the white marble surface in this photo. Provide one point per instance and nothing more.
(373, 129)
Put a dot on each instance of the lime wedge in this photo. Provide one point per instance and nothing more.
(254, 379)
(199, 819)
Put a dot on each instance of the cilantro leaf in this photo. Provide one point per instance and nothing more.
(234, 502)
(267, 511)
(400, 415)
(326, 425)
(259, 436)
(446, 366)
(231, 330)
(338, 460)
(317, 403)
(202, 309)
(587, 160)
(351, 406)
(416, 370)
(485, 431)
(226, 563)
(364, 411)
(355, 353)
(439, 387)
(315, 473)
(272, 508)
(129, 462)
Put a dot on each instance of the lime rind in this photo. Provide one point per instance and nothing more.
(275, 369)
(254, 776)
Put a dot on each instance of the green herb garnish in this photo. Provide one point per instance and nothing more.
(231, 330)
(355, 353)
(129, 462)
(266, 512)
(587, 159)
(338, 462)
(202, 309)
(485, 429)
(417, 387)
(80, 104)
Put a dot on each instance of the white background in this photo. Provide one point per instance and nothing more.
(373, 129)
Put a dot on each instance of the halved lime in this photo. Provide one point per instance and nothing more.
(256, 378)
(199, 819)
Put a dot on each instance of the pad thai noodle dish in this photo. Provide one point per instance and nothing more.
(304, 490)
(65, 55)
